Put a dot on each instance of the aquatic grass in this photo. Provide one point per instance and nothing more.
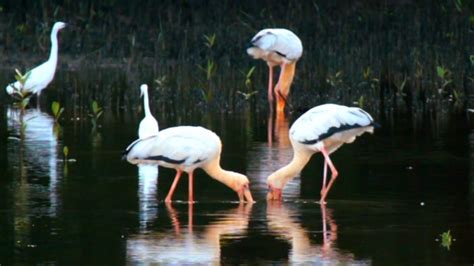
(390, 45)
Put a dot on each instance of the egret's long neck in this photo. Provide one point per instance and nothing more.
(53, 55)
(146, 103)
(221, 175)
(289, 171)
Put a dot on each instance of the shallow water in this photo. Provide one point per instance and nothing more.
(398, 190)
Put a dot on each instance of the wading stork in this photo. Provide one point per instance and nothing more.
(277, 47)
(185, 148)
(323, 129)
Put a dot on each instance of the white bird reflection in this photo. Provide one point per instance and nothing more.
(183, 245)
(266, 158)
(282, 221)
(33, 156)
(147, 189)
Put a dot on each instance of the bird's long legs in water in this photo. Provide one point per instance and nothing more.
(323, 187)
(190, 187)
(334, 174)
(270, 86)
(173, 186)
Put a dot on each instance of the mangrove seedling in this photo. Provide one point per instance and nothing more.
(366, 73)
(210, 40)
(360, 102)
(57, 110)
(96, 113)
(209, 69)
(247, 96)
(248, 76)
(21, 97)
(65, 153)
(334, 80)
(446, 239)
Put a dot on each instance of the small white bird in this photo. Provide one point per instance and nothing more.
(40, 76)
(148, 126)
(186, 148)
(323, 129)
(277, 47)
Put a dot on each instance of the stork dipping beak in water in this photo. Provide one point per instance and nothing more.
(185, 148)
(277, 47)
(323, 129)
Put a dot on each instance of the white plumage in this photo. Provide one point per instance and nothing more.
(330, 125)
(323, 129)
(277, 47)
(40, 76)
(148, 126)
(186, 148)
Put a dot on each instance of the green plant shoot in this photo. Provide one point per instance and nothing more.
(210, 40)
(65, 152)
(57, 110)
(96, 110)
(446, 239)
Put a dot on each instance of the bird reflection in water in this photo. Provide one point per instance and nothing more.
(282, 220)
(265, 158)
(147, 189)
(32, 149)
(33, 155)
(278, 129)
(186, 244)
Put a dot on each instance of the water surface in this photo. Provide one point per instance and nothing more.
(398, 190)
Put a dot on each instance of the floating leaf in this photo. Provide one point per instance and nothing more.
(446, 239)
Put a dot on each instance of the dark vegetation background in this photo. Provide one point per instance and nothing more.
(409, 57)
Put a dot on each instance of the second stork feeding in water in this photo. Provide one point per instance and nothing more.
(324, 129)
(40, 76)
(185, 148)
(277, 47)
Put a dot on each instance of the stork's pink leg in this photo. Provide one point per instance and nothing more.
(190, 188)
(173, 186)
(323, 216)
(174, 217)
(270, 127)
(270, 86)
(190, 218)
(334, 174)
(323, 187)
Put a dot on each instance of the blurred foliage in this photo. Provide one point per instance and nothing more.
(353, 50)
